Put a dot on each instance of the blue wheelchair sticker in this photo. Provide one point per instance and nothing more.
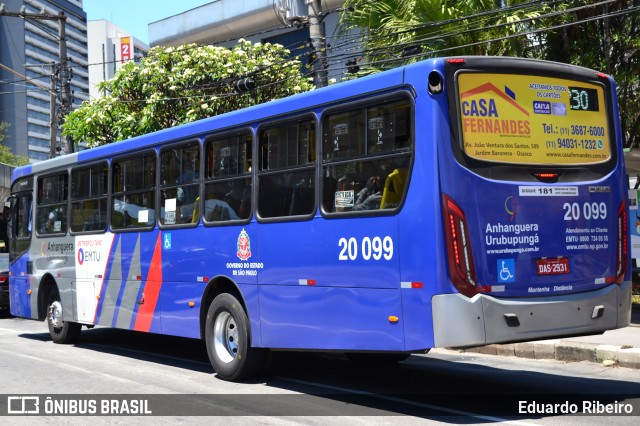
(506, 270)
(166, 238)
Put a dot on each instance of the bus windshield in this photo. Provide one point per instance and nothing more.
(533, 120)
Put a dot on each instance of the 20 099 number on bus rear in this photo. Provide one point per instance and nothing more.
(589, 211)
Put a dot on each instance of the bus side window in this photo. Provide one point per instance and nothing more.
(374, 177)
(134, 188)
(227, 192)
(287, 170)
(180, 184)
(23, 217)
(89, 191)
(51, 212)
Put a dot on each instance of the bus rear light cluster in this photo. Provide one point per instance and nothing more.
(622, 243)
(461, 267)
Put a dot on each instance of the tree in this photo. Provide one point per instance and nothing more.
(6, 155)
(396, 32)
(173, 86)
(3, 127)
(601, 35)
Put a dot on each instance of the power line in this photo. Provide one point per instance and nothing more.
(64, 72)
(529, 32)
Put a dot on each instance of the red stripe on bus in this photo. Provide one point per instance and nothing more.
(151, 290)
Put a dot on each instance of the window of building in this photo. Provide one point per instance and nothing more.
(180, 184)
(367, 153)
(89, 191)
(287, 169)
(228, 178)
(133, 187)
(51, 214)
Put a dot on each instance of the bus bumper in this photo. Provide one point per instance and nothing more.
(459, 321)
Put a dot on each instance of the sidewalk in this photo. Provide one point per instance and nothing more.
(615, 347)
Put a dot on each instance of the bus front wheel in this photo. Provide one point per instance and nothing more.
(61, 331)
(228, 340)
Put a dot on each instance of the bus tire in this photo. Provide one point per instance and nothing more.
(63, 332)
(228, 340)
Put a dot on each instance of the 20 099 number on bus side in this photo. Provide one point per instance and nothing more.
(374, 248)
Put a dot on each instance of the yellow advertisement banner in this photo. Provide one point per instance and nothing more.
(525, 119)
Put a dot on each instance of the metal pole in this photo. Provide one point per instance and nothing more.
(104, 67)
(64, 71)
(318, 42)
(65, 77)
(53, 144)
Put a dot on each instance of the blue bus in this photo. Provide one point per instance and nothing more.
(448, 203)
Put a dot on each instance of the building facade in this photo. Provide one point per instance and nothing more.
(285, 22)
(109, 48)
(30, 49)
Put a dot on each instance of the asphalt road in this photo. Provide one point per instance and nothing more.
(174, 376)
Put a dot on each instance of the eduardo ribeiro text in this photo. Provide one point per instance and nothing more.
(588, 407)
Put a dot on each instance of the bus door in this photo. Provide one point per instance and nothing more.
(20, 231)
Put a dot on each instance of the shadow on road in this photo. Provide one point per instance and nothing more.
(328, 384)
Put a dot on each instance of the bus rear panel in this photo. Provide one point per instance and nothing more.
(534, 204)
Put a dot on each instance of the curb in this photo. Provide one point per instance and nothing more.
(567, 351)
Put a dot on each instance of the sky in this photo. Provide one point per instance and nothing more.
(134, 16)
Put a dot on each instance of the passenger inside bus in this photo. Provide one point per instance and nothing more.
(52, 222)
(369, 197)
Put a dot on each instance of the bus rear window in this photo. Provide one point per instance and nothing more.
(532, 120)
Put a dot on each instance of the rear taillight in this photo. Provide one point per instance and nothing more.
(622, 243)
(461, 268)
(4, 279)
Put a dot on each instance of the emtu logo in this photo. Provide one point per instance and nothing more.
(88, 256)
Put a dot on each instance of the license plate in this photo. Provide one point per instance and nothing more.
(553, 266)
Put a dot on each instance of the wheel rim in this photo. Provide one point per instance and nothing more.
(55, 314)
(225, 337)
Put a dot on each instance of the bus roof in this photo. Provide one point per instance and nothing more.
(288, 106)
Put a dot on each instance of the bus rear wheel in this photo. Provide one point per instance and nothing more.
(61, 331)
(228, 340)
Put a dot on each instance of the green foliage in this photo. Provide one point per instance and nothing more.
(6, 156)
(397, 32)
(610, 45)
(604, 36)
(173, 86)
(3, 127)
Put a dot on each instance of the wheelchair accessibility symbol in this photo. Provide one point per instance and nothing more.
(506, 270)
(167, 241)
